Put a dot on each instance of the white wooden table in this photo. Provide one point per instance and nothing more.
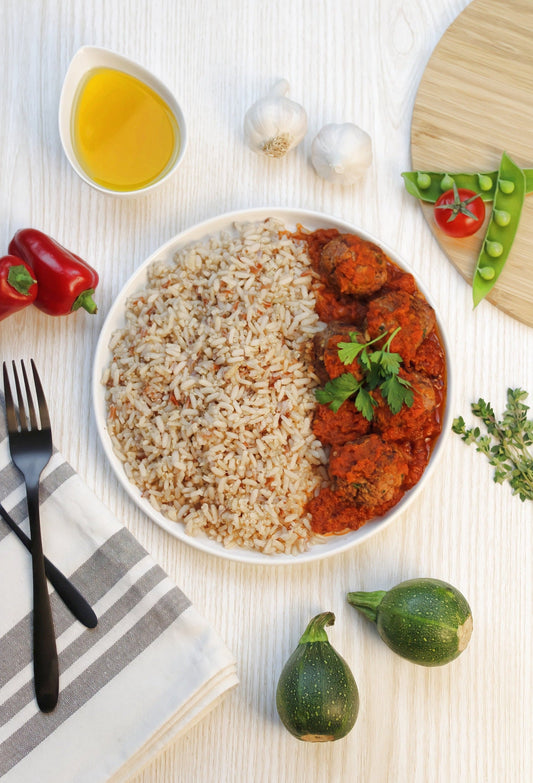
(346, 60)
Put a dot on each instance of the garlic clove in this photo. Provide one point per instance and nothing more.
(273, 125)
(341, 153)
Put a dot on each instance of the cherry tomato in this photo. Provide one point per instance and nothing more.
(459, 212)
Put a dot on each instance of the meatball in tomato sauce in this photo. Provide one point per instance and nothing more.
(414, 316)
(430, 358)
(326, 346)
(369, 470)
(373, 459)
(336, 429)
(334, 306)
(353, 266)
(420, 420)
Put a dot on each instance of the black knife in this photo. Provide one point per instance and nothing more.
(70, 596)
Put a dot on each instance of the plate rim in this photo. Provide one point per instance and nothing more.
(291, 217)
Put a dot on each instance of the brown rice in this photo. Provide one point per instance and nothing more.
(210, 389)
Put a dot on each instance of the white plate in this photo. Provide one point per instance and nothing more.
(115, 320)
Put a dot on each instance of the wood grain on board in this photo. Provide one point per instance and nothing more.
(475, 101)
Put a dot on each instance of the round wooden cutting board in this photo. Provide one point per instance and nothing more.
(475, 101)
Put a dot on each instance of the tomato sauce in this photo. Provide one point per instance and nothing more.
(372, 463)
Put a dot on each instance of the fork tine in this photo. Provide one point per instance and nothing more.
(29, 397)
(11, 416)
(21, 408)
(41, 399)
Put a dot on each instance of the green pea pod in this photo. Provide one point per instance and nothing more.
(508, 201)
(429, 185)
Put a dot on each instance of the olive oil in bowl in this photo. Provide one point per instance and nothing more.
(124, 135)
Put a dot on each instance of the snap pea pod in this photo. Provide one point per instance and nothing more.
(501, 230)
(429, 185)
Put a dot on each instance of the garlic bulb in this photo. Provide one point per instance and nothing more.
(341, 153)
(275, 124)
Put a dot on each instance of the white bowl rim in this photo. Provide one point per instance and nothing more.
(291, 217)
(85, 59)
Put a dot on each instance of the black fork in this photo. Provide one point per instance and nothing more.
(30, 444)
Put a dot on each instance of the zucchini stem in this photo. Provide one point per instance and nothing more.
(315, 630)
(367, 603)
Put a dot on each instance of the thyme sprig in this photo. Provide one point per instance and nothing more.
(507, 444)
(380, 370)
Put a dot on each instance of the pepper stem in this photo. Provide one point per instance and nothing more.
(315, 630)
(20, 279)
(85, 300)
(367, 603)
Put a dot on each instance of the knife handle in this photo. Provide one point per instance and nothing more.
(70, 596)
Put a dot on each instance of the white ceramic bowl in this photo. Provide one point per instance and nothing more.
(115, 320)
(86, 59)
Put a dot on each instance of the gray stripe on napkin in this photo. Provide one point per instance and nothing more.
(93, 679)
(106, 623)
(120, 609)
(10, 479)
(94, 579)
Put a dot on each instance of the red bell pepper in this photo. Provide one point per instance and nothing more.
(18, 286)
(66, 281)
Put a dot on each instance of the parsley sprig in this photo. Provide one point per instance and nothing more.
(507, 444)
(380, 370)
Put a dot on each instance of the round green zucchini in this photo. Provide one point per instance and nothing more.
(424, 620)
(317, 696)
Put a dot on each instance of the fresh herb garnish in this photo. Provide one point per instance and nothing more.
(380, 370)
(507, 444)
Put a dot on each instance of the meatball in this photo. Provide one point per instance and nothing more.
(353, 265)
(369, 471)
(326, 345)
(418, 421)
(430, 357)
(333, 513)
(420, 452)
(414, 316)
(343, 308)
(399, 280)
(336, 429)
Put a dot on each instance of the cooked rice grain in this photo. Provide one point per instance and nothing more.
(210, 390)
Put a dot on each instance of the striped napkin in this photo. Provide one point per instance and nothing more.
(151, 668)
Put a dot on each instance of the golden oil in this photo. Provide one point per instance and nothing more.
(124, 134)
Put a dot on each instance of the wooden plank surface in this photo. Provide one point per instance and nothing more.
(473, 103)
